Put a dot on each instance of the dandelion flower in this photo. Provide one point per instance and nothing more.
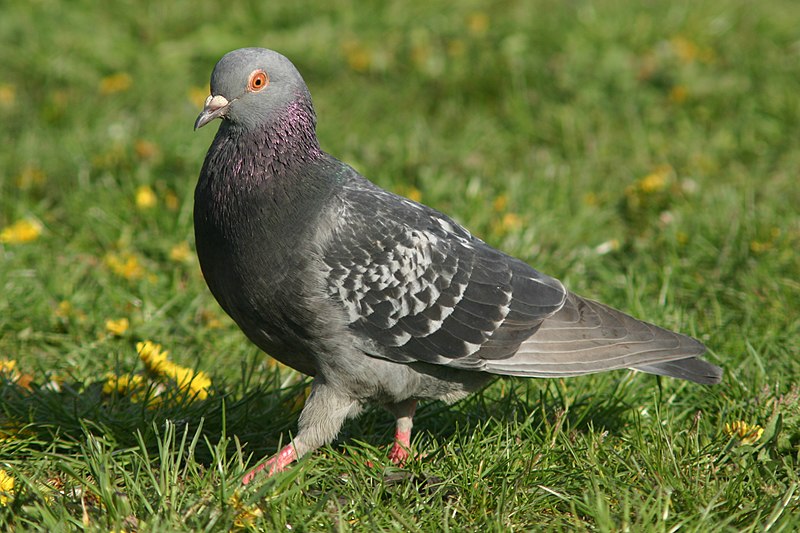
(171, 201)
(152, 355)
(478, 23)
(744, 432)
(20, 232)
(8, 369)
(155, 359)
(8, 94)
(145, 149)
(6, 487)
(117, 327)
(116, 83)
(125, 384)
(180, 253)
(125, 264)
(145, 197)
(245, 514)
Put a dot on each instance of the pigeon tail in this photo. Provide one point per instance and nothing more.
(584, 337)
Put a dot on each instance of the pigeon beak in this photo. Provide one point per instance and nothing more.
(215, 107)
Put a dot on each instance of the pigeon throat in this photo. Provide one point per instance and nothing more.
(272, 148)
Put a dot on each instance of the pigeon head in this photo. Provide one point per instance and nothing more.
(251, 89)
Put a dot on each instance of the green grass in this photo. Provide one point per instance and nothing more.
(537, 125)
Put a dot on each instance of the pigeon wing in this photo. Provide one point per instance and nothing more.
(416, 286)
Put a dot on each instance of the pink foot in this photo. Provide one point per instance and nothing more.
(400, 450)
(274, 464)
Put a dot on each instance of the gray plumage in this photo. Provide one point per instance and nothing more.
(381, 299)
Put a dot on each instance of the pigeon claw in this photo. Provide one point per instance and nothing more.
(401, 448)
(276, 463)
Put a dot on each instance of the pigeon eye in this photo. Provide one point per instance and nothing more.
(258, 80)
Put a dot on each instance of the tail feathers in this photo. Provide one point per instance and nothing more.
(692, 369)
(585, 337)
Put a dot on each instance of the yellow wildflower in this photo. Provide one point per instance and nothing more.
(743, 431)
(500, 202)
(210, 319)
(357, 55)
(511, 222)
(678, 94)
(20, 232)
(145, 197)
(414, 194)
(478, 23)
(125, 384)
(8, 369)
(6, 487)
(116, 83)
(8, 93)
(171, 201)
(245, 514)
(180, 253)
(125, 264)
(155, 359)
(145, 149)
(29, 178)
(152, 355)
(656, 180)
(11, 430)
(591, 199)
(117, 327)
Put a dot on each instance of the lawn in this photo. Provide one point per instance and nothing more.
(646, 153)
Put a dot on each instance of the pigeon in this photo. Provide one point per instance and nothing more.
(382, 300)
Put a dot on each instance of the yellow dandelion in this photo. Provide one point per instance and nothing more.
(591, 199)
(478, 23)
(8, 94)
(500, 202)
(655, 181)
(29, 177)
(8, 369)
(145, 149)
(744, 432)
(210, 319)
(171, 201)
(6, 487)
(156, 361)
(145, 197)
(152, 355)
(125, 264)
(11, 431)
(117, 327)
(180, 253)
(759, 247)
(64, 309)
(357, 55)
(187, 379)
(456, 48)
(245, 514)
(20, 232)
(414, 194)
(678, 94)
(116, 83)
(511, 222)
(197, 96)
(125, 384)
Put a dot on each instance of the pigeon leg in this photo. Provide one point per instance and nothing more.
(320, 421)
(404, 411)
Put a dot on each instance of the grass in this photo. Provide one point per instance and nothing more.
(645, 153)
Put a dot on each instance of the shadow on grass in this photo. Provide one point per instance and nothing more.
(263, 416)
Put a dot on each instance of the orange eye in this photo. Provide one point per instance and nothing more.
(258, 80)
